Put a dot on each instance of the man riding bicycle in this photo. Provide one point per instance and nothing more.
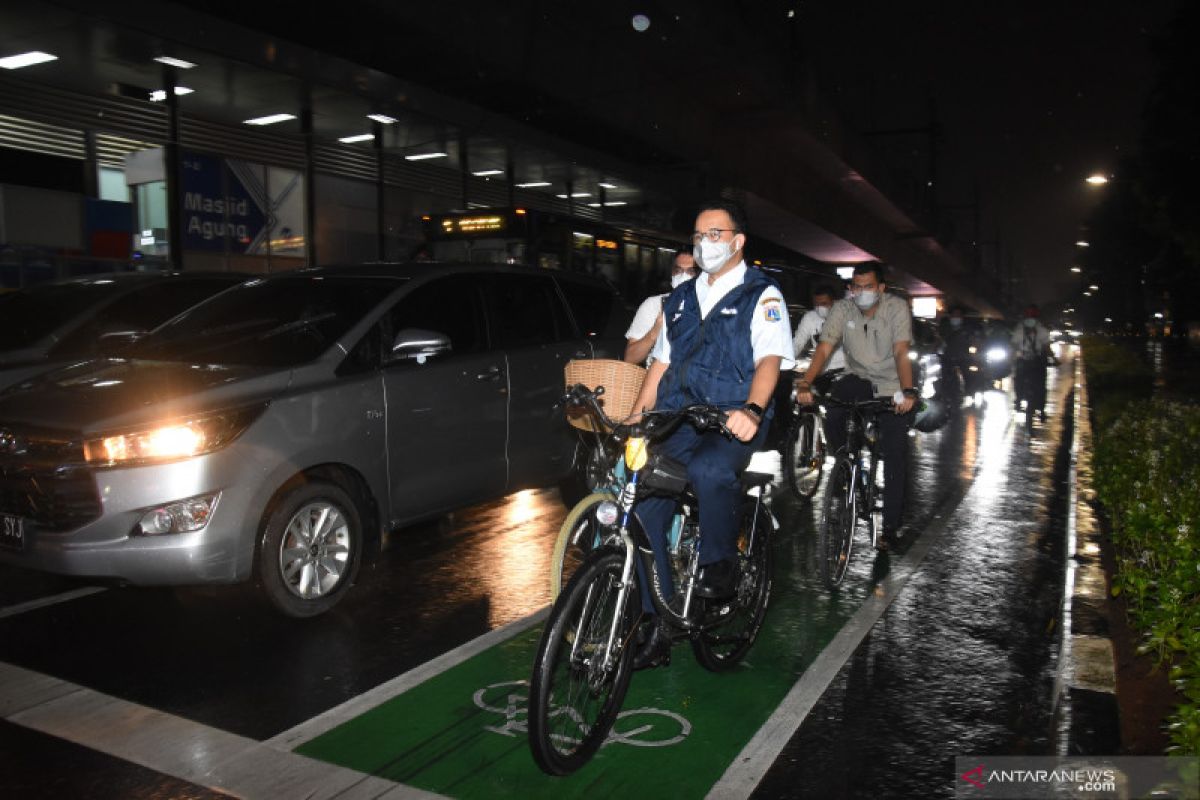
(875, 330)
(1031, 351)
(726, 338)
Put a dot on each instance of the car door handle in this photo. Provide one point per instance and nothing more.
(490, 374)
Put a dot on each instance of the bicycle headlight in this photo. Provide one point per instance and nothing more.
(176, 439)
(606, 513)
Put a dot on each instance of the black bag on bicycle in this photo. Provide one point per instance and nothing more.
(664, 475)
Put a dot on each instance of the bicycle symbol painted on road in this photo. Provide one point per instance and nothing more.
(639, 727)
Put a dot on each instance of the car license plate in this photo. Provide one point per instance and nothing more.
(12, 532)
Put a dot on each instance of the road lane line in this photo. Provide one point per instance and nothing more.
(42, 602)
(328, 720)
(748, 768)
(179, 747)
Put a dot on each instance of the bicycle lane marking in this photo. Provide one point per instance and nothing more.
(461, 732)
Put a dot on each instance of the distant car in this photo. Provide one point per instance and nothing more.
(924, 352)
(54, 324)
(276, 431)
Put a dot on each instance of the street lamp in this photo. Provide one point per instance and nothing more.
(1076, 269)
(1082, 243)
(1097, 180)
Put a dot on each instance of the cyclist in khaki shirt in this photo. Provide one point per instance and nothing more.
(875, 330)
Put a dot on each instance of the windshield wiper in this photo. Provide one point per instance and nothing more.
(296, 325)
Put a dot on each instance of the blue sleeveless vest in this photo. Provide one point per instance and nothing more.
(712, 359)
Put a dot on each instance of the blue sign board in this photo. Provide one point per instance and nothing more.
(223, 205)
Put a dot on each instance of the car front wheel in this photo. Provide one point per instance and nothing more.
(310, 549)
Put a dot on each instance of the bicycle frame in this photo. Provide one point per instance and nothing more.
(629, 466)
(862, 434)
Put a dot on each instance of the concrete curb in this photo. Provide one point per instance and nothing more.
(1085, 696)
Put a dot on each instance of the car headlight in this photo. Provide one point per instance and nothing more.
(996, 354)
(176, 439)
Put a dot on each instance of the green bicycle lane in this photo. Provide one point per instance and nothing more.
(462, 732)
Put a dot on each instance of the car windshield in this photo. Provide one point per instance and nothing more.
(30, 315)
(275, 322)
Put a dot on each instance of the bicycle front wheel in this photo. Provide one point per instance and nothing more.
(804, 456)
(733, 625)
(583, 665)
(835, 532)
(580, 535)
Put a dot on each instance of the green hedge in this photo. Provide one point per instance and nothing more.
(1147, 475)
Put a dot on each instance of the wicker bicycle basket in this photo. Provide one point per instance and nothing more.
(621, 381)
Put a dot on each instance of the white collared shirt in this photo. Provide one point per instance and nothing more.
(770, 330)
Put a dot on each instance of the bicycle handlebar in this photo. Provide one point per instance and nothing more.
(654, 424)
(874, 404)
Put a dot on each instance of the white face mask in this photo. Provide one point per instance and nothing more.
(1030, 322)
(711, 256)
(678, 278)
(866, 299)
(822, 311)
(955, 322)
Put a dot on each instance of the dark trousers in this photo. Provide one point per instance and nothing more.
(1030, 379)
(715, 464)
(893, 444)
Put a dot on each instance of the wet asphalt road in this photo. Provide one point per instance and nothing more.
(961, 664)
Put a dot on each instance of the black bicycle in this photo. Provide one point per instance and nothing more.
(852, 494)
(584, 658)
(804, 450)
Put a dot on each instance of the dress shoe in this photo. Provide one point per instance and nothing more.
(718, 580)
(655, 649)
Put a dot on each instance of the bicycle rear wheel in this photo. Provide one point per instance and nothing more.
(580, 534)
(835, 531)
(804, 455)
(738, 621)
(581, 671)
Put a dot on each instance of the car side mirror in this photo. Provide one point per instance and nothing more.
(415, 344)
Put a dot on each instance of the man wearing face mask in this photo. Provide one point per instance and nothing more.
(647, 322)
(809, 330)
(726, 338)
(1031, 349)
(875, 330)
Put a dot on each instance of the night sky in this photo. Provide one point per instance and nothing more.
(1031, 97)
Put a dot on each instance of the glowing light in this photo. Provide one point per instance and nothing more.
(270, 119)
(26, 59)
(360, 137)
(1097, 180)
(175, 62)
(424, 156)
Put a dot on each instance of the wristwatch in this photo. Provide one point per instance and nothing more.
(755, 409)
(911, 392)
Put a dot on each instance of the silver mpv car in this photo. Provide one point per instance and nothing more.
(275, 431)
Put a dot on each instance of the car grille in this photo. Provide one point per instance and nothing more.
(42, 479)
